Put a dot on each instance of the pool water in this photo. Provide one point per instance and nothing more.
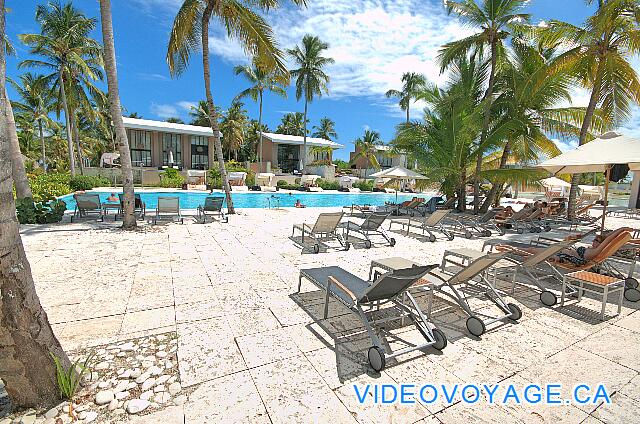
(191, 200)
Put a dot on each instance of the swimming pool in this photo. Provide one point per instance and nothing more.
(191, 200)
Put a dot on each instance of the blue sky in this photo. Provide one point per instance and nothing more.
(372, 41)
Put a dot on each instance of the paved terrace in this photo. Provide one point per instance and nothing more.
(254, 351)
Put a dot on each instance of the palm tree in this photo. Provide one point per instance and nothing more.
(413, 85)
(529, 87)
(67, 50)
(367, 148)
(174, 120)
(36, 102)
(135, 115)
(326, 129)
(311, 79)
(190, 32)
(292, 123)
(199, 115)
(233, 126)
(26, 331)
(253, 130)
(129, 219)
(18, 171)
(598, 54)
(494, 17)
(443, 143)
(261, 79)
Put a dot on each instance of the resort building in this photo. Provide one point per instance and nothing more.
(282, 154)
(386, 159)
(157, 144)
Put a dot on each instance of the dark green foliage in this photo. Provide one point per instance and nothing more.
(366, 185)
(171, 178)
(87, 182)
(327, 185)
(45, 212)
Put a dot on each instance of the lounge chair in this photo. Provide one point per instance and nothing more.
(436, 222)
(212, 206)
(325, 228)
(87, 204)
(538, 267)
(139, 206)
(516, 222)
(168, 207)
(309, 182)
(264, 180)
(471, 281)
(365, 297)
(413, 207)
(482, 225)
(450, 203)
(361, 210)
(237, 181)
(371, 225)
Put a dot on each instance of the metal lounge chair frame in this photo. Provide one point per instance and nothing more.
(474, 277)
(538, 268)
(371, 225)
(325, 227)
(364, 297)
(86, 204)
(212, 206)
(436, 222)
(517, 221)
(170, 208)
(483, 224)
(138, 205)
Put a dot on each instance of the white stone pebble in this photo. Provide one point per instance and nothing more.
(90, 417)
(162, 397)
(159, 388)
(162, 379)
(149, 383)
(103, 397)
(143, 377)
(122, 395)
(155, 371)
(136, 406)
(146, 395)
(102, 366)
(174, 388)
(179, 400)
(113, 405)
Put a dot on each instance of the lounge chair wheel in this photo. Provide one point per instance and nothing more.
(467, 234)
(441, 339)
(367, 244)
(486, 233)
(520, 231)
(392, 242)
(347, 245)
(538, 229)
(432, 238)
(376, 358)
(547, 228)
(632, 295)
(532, 230)
(631, 283)
(516, 312)
(475, 326)
(548, 298)
(316, 248)
(450, 237)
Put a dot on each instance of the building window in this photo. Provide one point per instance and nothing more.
(140, 145)
(171, 149)
(320, 156)
(385, 161)
(199, 152)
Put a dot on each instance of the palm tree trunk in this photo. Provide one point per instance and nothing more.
(485, 126)
(129, 219)
(591, 108)
(213, 115)
(76, 137)
(42, 146)
(27, 337)
(304, 137)
(497, 188)
(260, 130)
(407, 114)
(65, 106)
(17, 164)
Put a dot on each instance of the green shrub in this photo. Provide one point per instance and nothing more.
(171, 178)
(49, 186)
(366, 185)
(69, 379)
(214, 179)
(282, 184)
(327, 185)
(87, 182)
(45, 212)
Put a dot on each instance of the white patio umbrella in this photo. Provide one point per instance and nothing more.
(398, 173)
(552, 183)
(599, 155)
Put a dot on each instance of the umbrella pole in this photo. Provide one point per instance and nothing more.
(606, 196)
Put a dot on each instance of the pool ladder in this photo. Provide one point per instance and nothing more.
(276, 200)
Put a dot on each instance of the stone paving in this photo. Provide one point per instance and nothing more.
(253, 350)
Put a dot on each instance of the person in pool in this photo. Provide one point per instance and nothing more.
(113, 198)
(299, 205)
(580, 255)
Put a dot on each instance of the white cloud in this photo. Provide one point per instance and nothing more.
(186, 105)
(163, 110)
(565, 145)
(153, 77)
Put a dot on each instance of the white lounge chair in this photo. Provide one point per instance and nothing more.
(264, 180)
(309, 182)
(237, 181)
